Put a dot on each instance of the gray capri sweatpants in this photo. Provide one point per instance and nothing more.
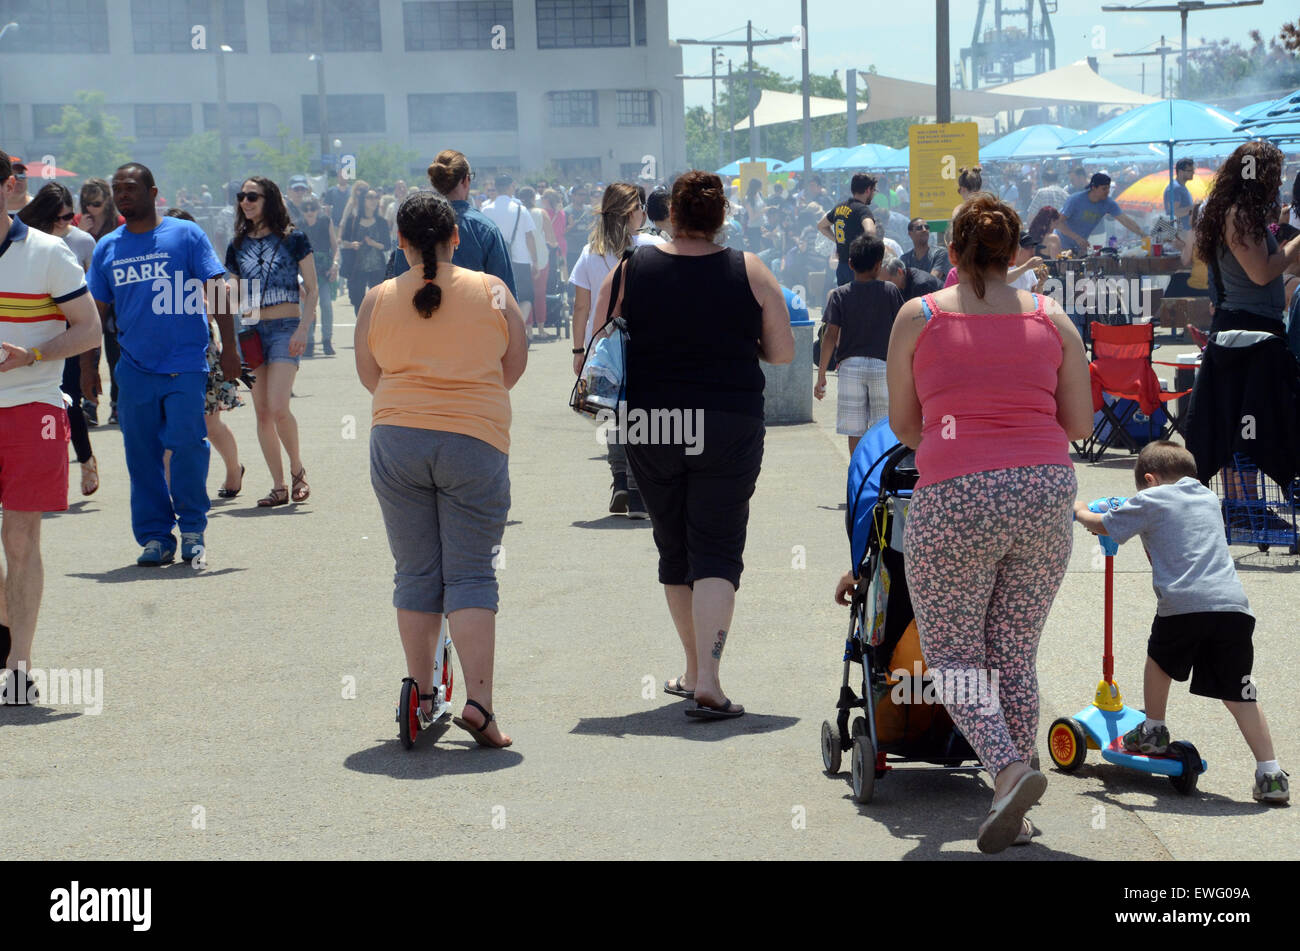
(445, 498)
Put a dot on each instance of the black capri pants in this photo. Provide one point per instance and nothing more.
(697, 491)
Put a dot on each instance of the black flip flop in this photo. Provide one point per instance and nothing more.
(728, 711)
(477, 732)
(679, 690)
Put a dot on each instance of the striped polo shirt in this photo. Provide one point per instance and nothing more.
(38, 272)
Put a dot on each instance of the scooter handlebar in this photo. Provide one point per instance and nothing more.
(1101, 507)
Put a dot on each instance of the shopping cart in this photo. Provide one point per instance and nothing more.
(1256, 510)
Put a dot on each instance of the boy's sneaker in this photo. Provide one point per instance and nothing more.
(1272, 787)
(635, 505)
(1145, 739)
(618, 495)
(156, 553)
(192, 547)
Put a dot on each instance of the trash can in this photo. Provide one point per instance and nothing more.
(788, 392)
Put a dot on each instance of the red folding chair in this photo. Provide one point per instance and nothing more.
(1121, 366)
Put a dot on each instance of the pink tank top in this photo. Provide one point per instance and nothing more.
(987, 386)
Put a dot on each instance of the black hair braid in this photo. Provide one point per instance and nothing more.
(427, 221)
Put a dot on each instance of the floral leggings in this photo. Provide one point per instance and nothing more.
(986, 554)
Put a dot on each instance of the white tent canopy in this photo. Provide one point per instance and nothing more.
(891, 98)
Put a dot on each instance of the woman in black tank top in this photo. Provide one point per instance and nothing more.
(699, 320)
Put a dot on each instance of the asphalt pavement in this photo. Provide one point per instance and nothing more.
(248, 707)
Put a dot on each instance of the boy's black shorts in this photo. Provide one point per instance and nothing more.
(1213, 646)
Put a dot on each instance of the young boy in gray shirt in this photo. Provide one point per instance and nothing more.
(1203, 623)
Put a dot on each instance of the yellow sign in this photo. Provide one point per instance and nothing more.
(750, 171)
(937, 152)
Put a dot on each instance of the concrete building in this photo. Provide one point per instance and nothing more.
(586, 86)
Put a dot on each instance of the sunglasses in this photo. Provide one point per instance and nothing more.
(249, 196)
(68, 217)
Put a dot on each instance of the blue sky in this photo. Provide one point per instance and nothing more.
(847, 35)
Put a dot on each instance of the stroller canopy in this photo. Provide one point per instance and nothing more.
(864, 486)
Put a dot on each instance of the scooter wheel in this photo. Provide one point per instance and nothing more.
(408, 713)
(1067, 744)
(830, 747)
(863, 769)
(448, 678)
(1185, 782)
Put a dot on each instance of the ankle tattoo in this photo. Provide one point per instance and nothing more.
(718, 644)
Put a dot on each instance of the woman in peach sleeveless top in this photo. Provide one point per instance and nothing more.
(440, 347)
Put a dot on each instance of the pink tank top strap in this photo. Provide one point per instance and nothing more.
(929, 308)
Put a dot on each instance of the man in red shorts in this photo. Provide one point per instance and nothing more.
(46, 315)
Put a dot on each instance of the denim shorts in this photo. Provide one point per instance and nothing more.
(275, 336)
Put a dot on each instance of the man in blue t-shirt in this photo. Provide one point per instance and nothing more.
(1178, 199)
(160, 274)
(1084, 210)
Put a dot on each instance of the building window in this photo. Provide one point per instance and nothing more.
(570, 24)
(55, 26)
(45, 115)
(458, 24)
(463, 112)
(351, 26)
(241, 118)
(345, 113)
(635, 107)
(580, 169)
(167, 26)
(573, 107)
(638, 21)
(164, 120)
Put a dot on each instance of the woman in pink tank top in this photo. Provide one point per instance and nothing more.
(989, 384)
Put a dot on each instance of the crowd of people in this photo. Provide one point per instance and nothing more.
(447, 282)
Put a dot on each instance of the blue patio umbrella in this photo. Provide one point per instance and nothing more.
(1033, 141)
(1278, 118)
(732, 170)
(865, 157)
(1167, 123)
(796, 164)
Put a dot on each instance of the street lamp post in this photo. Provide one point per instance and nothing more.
(319, 58)
(223, 113)
(3, 30)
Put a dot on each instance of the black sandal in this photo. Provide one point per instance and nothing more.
(478, 731)
(224, 493)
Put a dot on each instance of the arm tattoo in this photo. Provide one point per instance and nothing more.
(719, 644)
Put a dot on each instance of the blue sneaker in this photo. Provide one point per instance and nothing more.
(156, 554)
(192, 548)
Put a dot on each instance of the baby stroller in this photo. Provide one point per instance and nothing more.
(901, 723)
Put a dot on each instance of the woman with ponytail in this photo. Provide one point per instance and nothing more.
(622, 215)
(440, 347)
(989, 384)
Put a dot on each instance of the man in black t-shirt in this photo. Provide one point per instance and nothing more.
(910, 281)
(849, 219)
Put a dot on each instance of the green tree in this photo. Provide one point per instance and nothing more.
(92, 138)
(280, 161)
(191, 162)
(1224, 68)
(383, 164)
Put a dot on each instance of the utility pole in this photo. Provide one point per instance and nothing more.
(320, 80)
(942, 78)
(713, 77)
(1162, 51)
(749, 43)
(807, 90)
(1183, 8)
(223, 112)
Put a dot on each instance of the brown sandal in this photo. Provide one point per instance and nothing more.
(301, 490)
(89, 476)
(273, 498)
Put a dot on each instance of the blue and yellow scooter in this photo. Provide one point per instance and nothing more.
(1102, 725)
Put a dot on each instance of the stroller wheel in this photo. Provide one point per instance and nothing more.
(863, 769)
(859, 727)
(830, 747)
